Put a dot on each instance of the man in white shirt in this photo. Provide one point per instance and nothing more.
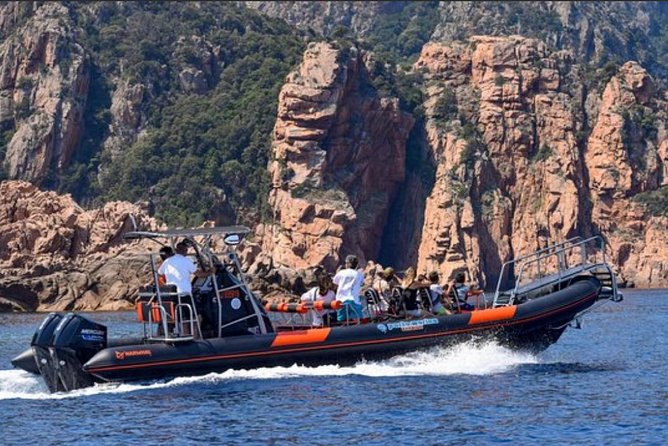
(178, 269)
(349, 283)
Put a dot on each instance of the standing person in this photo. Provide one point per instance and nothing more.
(166, 252)
(178, 268)
(436, 292)
(348, 283)
(386, 281)
(321, 293)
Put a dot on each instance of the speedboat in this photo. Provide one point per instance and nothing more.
(223, 325)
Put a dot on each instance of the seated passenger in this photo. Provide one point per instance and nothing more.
(384, 283)
(436, 292)
(165, 253)
(460, 292)
(321, 293)
(370, 273)
(348, 282)
(410, 284)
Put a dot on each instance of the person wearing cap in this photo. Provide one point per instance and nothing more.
(348, 282)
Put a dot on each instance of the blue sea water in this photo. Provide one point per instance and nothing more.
(603, 384)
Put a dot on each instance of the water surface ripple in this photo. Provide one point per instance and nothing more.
(604, 384)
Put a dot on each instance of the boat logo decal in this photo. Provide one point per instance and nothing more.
(236, 303)
(89, 334)
(92, 337)
(131, 353)
(414, 325)
(230, 294)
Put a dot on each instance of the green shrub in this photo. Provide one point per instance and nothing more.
(22, 110)
(655, 201)
(468, 156)
(542, 154)
(446, 108)
(302, 190)
(402, 30)
(469, 133)
(25, 83)
(639, 126)
(195, 147)
(596, 78)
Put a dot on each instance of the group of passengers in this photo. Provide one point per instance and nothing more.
(348, 284)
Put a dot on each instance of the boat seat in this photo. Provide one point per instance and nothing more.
(424, 299)
(143, 309)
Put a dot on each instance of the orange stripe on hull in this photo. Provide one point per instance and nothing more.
(301, 337)
(492, 315)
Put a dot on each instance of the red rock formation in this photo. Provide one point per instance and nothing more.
(44, 78)
(54, 255)
(627, 154)
(504, 119)
(126, 117)
(338, 158)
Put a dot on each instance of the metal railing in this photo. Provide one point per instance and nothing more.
(551, 265)
(179, 320)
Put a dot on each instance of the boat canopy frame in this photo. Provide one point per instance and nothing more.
(232, 237)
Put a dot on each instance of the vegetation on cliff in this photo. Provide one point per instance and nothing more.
(197, 148)
(655, 201)
(207, 145)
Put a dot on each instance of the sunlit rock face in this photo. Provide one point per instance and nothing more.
(56, 256)
(338, 159)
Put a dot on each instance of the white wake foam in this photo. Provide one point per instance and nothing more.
(468, 359)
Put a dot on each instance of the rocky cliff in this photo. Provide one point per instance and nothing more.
(54, 255)
(444, 135)
(506, 124)
(627, 160)
(44, 76)
(526, 150)
(338, 159)
(595, 32)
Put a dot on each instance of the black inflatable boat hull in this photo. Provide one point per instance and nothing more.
(532, 326)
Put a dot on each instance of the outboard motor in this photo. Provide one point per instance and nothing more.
(40, 343)
(61, 345)
(76, 340)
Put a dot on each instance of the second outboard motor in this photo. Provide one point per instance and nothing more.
(76, 340)
(40, 343)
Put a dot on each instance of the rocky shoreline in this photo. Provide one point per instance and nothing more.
(56, 256)
(480, 147)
